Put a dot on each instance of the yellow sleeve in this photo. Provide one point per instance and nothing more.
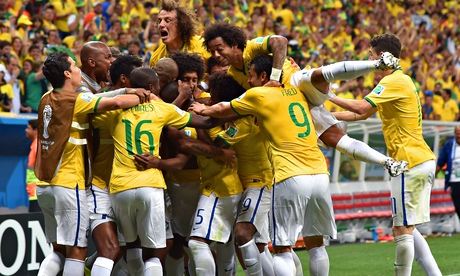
(248, 103)
(384, 92)
(237, 131)
(86, 103)
(176, 117)
(257, 46)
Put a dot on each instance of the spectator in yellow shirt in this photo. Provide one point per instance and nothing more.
(429, 110)
(450, 108)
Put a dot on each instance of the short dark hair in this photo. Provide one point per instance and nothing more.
(54, 67)
(123, 65)
(387, 43)
(33, 123)
(186, 20)
(262, 63)
(212, 61)
(189, 63)
(142, 77)
(224, 88)
(230, 34)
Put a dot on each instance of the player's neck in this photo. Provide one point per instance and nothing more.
(239, 63)
(175, 46)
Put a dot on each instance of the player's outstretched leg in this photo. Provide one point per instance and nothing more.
(423, 255)
(319, 260)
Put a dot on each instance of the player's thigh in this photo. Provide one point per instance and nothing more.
(214, 217)
(46, 200)
(124, 208)
(254, 207)
(289, 203)
(322, 119)
(72, 217)
(410, 195)
(99, 206)
(184, 199)
(150, 217)
(319, 216)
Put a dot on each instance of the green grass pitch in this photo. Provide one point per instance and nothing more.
(376, 259)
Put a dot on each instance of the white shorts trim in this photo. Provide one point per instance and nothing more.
(140, 212)
(66, 214)
(254, 207)
(99, 205)
(410, 195)
(301, 205)
(214, 217)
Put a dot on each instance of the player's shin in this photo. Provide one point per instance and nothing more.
(319, 261)
(102, 266)
(423, 255)
(73, 267)
(347, 70)
(225, 258)
(360, 151)
(134, 261)
(51, 265)
(251, 258)
(283, 264)
(202, 257)
(404, 255)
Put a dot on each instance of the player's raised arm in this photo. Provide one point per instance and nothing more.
(278, 45)
(220, 110)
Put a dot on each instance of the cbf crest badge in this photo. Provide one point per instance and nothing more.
(47, 113)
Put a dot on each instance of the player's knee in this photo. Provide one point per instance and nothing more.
(313, 241)
(176, 250)
(110, 250)
(281, 249)
(75, 252)
(244, 232)
(403, 230)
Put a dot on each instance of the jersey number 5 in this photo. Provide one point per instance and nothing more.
(138, 133)
(296, 109)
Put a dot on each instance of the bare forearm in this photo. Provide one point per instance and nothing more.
(172, 164)
(279, 48)
(196, 147)
(219, 110)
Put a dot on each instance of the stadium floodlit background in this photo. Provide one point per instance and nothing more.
(319, 32)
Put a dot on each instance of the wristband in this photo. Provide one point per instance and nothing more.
(276, 74)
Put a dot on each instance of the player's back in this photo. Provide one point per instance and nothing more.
(286, 121)
(399, 108)
(137, 130)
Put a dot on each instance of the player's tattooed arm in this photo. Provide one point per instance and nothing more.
(197, 147)
(147, 161)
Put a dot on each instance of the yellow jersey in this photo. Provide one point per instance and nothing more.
(71, 172)
(400, 111)
(256, 47)
(216, 177)
(103, 159)
(254, 168)
(194, 47)
(137, 130)
(63, 8)
(449, 111)
(284, 118)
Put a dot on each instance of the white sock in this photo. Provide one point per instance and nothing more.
(251, 258)
(191, 264)
(423, 255)
(225, 259)
(267, 264)
(153, 266)
(319, 261)
(404, 255)
(298, 264)
(360, 151)
(202, 257)
(134, 261)
(73, 267)
(51, 265)
(347, 70)
(102, 267)
(120, 268)
(283, 264)
(174, 267)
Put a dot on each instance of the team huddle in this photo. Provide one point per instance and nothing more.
(211, 153)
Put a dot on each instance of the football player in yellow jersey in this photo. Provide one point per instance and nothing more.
(178, 30)
(397, 101)
(228, 45)
(137, 196)
(301, 201)
(255, 172)
(63, 200)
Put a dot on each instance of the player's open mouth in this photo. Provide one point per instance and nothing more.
(164, 34)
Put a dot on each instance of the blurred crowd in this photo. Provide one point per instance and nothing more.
(319, 32)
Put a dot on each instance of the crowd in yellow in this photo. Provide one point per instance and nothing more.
(319, 32)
